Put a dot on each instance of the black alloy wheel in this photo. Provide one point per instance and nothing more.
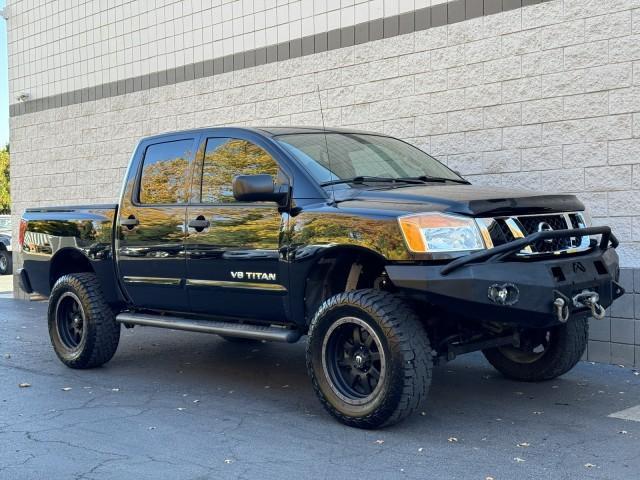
(354, 360)
(70, 320)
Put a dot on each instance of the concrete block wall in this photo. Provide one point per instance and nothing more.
(616, 338)
(543, 95)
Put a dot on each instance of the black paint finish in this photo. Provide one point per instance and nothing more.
(252, 260)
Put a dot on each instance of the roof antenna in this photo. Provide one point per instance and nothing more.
(326, 145)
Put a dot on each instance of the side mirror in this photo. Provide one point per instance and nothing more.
(258, 188)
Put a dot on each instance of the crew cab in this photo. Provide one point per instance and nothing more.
(387, 260)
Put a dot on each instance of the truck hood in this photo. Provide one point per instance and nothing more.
(463, 199)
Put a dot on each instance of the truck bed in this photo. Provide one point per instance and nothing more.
(51, 236)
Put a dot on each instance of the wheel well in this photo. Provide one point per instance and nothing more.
(68, 261)
(341, 270)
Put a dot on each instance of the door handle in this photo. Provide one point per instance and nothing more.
(130, 222)
(199, 224)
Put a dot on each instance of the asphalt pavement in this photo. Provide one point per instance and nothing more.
(179, 405)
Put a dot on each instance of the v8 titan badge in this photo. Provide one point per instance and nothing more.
(254, 276)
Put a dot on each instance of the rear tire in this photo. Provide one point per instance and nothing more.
(6, 265)
(82, 327)
(563, 350)
(369, 358)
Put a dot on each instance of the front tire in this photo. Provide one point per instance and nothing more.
(559, 350)
(82, 327)
(6, 265)
(369, 358)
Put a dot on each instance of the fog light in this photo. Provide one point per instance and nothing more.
(505, 294)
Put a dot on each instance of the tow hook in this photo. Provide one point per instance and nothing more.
(589, 299)
(561, 308)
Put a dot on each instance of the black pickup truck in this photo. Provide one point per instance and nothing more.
(386, 259)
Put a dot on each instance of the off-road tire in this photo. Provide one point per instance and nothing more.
(567, 345)
(100, 335)
(407, 354)
(5, 268)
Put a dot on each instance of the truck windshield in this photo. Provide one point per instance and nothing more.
(348, 156)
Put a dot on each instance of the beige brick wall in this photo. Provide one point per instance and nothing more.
(544, 97)
(97, 41)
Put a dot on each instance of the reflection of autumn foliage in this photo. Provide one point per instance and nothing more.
(92, 236)
(164, 182)
(99, 230)
(60, 228)
(158, 225)
(234, 157)
(244, 227)
(378, 235)
(103, 231)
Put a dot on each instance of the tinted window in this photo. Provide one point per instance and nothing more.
(165, 172)
(348, 155)
(225, 158)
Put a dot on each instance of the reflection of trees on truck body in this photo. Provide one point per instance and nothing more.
(325, 229)
(254, 227)
(234, 157)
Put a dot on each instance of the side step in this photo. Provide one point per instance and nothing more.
(241, 330)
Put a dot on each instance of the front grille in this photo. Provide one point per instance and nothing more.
(506, 229)
(538, 223)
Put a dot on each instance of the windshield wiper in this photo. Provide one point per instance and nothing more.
(364, 179)
(428, 178)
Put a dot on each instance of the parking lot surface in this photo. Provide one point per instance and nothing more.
(180, 405)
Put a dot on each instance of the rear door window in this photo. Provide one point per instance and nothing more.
(165, 173)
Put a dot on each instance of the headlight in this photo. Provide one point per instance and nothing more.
(437, 233)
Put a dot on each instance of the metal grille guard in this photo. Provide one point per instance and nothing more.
(498, 253)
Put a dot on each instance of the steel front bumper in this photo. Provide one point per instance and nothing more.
(467, 286)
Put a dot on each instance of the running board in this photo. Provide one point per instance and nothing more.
(240, 330)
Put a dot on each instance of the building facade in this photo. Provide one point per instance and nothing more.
(538, 94)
